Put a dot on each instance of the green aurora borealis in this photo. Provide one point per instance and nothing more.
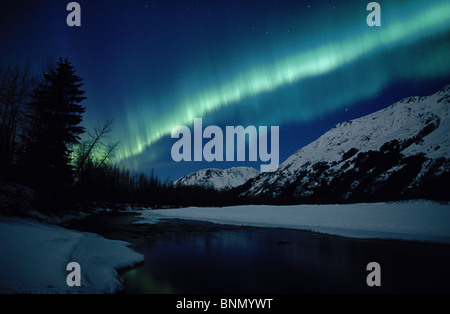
(404, 27)
(301, 65)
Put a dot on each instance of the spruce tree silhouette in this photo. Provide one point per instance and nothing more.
(54, 117)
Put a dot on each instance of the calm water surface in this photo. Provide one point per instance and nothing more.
(252, 260)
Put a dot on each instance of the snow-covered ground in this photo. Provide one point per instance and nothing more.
(34, 257)
(413, 220)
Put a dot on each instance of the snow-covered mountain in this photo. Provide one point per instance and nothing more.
(219, 179)
(399, 152)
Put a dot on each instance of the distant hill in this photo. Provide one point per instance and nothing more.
(218, 179)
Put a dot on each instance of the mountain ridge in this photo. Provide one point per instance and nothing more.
(221, 180)
(394, 151)
(399, 152)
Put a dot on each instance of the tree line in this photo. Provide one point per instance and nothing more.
(44, 146)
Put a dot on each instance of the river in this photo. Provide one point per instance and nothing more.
(190, 257)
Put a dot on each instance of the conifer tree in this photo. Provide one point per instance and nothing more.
(54, 116)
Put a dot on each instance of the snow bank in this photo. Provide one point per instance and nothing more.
(414, 220)
(34, 257)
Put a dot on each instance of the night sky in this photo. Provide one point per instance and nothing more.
(301, 65)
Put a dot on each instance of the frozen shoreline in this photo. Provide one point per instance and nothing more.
(411, 221)
(34, 257)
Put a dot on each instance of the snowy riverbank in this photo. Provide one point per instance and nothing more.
(34, 257)
(413, 220)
